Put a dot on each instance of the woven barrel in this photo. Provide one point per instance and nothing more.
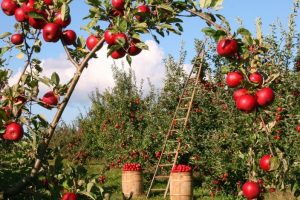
(132, 181)
(181, 186)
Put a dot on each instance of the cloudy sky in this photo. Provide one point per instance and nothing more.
(148, 63)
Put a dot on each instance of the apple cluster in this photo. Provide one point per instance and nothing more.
(245, 99)
(181, 168)
(40, 15)
(132, 167)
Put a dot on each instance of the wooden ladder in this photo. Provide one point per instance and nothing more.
(172, 142)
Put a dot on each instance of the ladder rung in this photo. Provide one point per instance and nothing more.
(158, 189)
(161, 177)
(165, 165)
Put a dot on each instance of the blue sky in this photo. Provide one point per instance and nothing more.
(268, 10)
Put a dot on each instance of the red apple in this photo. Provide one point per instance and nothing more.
(256, 78)
(36, 22)
(17, 39)
(239, 92)
(69, 36)
(264, 162)
(246, 103)
(143, 12)
(109, 37)
(265, 96)
(48, 2)
(21, 15)
(116, 12)
(298, 128)
(58, 20)
(91, 42)
(120, 53)
(51, 32)
(50, 99)
(9, 7)
(234, 79)
(227, 47)
(118, 4)
(251, 190)
(13, 131)
(28, 6)
(69, 196)
(120, 36)
(133, 50)
(157, 154)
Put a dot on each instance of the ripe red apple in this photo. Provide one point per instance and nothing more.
(48, 2)
(246, 103)
(13, 131)
(92, 41)
(116, 12)
(58, 20)
(264, 162)
(118, 4)
(50, 99)
(9, 7)
(119, 37)
(133, 50)
(157, 154)
(265, 96)
(227, 47)
(256, 78)
(239, 92)
(298, 128)
(109, 37)
(17, 39)
(69, 36)
(251, 190)
(120, 53)
(51, 32)
(36, 22)
(28, 6)
(21, 15)
(234, 79)
(143, 12)
(69, 196)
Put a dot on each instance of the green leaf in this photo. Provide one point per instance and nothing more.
(209, 31)
(244, 32)
(129, 59)
(89, 186)
(166, 7)
(123, 26)
(36, 15)
(55, 78)
(3, 50)
(216, 4)
(88, 194)
(205, 3)
(274, 163)
(4, 35)
(65, 11)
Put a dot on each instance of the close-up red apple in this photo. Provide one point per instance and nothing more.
(9, 7)
(256, 78)
(17, 39)
(51, 32)
(92, 41)
(28, 6)
(120, 36)
(298, 128)
(133, 50)
(109, 37)
(251, 190)
(69, 196)
(239, 92)
(38, 23)
(50, 99)
(265, 96)
(21, 15)
(118, 4)
(69, 36)
(227, 47)
(234, 79)
(13, 131)
(120, 53)
(143, 11)
(63, 23)
(265, 163)
(246, 103)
